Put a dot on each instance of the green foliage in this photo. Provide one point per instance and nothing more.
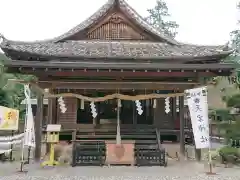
(230, 155)
(3, 57)
(11, 95)
(158, 17)
(3, 98)
(221, 115)
(227, 150)
(235, 44)
(226, 155)
(233, 101)
(231, 130)
(235, 56)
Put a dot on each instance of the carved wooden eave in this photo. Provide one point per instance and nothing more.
(108, 85)
(104, 69)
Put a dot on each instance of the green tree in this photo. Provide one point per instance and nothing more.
(234, 101)
(231, 128)
(234, 44)
(235, 56)
(158, 17)
(11, 94)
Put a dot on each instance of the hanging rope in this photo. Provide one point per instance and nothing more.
(100, 99)
(113, 96)
(108, 97)
(118, 136)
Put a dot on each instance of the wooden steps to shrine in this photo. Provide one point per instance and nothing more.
(113, 137)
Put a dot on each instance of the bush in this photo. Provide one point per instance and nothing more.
(234, 101)
(229, 155)
(229, 151)
(223, 115)
(232, 131)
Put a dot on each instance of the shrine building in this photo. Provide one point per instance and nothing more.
(115, 51)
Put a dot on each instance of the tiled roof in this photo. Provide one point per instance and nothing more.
(115, 49)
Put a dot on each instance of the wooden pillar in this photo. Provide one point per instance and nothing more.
(54, 111)
(174, 110)
(198, 154)
(182, 125)
(52, 108)
(134, 113)
(50, 111)
(50, 117)
(38, 127)
(98, 112)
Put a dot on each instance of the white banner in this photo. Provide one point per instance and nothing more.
(29, 133)
(198, 109)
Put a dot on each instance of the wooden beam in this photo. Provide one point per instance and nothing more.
(182, 125)
(50, 116)
(117, 85)
(38, 127)
(94, 73)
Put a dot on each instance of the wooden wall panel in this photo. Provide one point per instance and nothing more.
(115, 27)
(69, 118)
(115, 31)
(163, 120)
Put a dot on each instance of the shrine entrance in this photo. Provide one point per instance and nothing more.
(107, 112)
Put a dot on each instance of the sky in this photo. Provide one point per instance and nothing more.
(206, 22)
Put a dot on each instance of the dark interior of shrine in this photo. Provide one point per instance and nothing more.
(107, 110)
(107, 113)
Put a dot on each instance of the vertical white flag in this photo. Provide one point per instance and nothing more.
(29, 134)
(198, 109)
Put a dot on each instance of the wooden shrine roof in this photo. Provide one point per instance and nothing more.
(159, 46)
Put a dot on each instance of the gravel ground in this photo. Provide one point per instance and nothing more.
(175, 171)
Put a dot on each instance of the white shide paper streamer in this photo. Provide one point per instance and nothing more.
(8, 141)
